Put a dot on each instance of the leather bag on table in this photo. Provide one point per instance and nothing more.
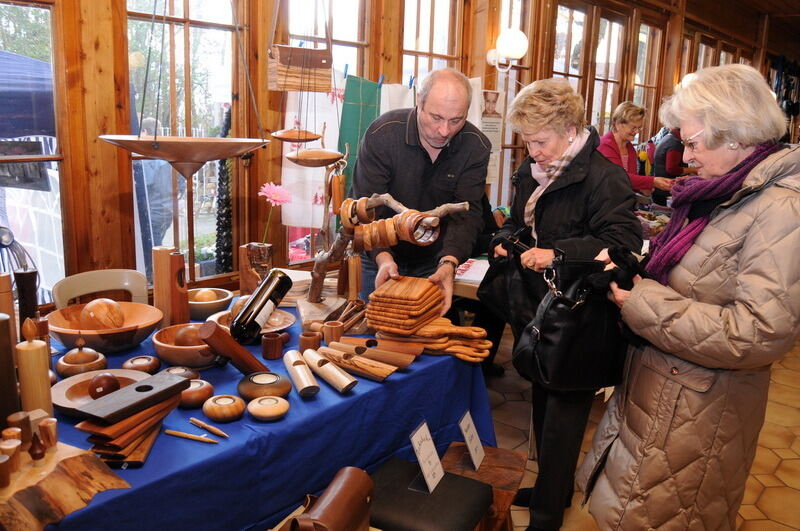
(343, 506)
(575, 340)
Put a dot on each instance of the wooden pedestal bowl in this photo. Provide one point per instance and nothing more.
(71, 393)
(194, 356)
(199, 310)
(140, 321)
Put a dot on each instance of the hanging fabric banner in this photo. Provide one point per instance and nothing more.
(361, 106)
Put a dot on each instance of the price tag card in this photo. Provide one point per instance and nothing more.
(476, 451)
(427, 456)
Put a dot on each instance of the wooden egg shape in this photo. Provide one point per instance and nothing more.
(80, 360)
(186, 372)
(148, 364)
(263, 383)
(224, 408)
(268, 408)
(102, 314)
(205, 295)
(188, 336)
(195, 396)
(102, 384)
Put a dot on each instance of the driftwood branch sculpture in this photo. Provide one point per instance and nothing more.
(360, 227)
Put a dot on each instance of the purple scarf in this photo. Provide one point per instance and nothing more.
(668, 248)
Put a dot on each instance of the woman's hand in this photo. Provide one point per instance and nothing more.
(499, 250)
(662, 183)
(537, 259)
(618, 295)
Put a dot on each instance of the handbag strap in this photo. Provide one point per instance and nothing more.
(550, 278)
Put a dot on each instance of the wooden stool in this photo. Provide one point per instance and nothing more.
(502, 469)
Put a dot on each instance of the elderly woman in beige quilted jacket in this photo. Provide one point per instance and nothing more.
(721, 303)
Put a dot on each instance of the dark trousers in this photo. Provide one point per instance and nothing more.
(559, 420)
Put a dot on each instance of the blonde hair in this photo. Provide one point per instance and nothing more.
(733, 102)
(625, 113)
(547, 104)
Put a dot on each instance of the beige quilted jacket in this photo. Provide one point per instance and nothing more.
(680, 433)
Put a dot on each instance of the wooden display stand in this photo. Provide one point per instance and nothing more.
(502, 469)
(68, 480)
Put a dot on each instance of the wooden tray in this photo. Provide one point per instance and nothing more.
(406, 309)
(71, 393)
(404, 289)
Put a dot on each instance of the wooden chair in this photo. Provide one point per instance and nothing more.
(88, 282)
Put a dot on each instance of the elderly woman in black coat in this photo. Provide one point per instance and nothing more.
(571, 198)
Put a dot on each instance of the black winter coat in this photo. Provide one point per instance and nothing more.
(588, 208)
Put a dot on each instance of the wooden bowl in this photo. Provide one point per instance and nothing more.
(279, 320)
(71, 393)
(140, 321)
(194, 356)
(77, 361)
(200, 310)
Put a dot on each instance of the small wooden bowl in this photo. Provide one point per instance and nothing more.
(71, 393)
(194, 356)
(148, 364)
(279, 320)
(140, 320)
(195, 396)
(267, 408)
(78, 361)
(262, 383)
(224, 408)
(185, 372)
(200, 310)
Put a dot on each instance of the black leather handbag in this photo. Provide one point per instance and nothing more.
(575, 340)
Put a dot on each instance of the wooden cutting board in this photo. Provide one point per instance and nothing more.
(112, 431)
(434, 295)
(128, 437)
(405, 289)
(407, 309)
(399, 318)
(137, 455)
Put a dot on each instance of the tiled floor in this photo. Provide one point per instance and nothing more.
(772, 496)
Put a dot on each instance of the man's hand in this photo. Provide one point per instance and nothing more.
(444, 277)
(387, 268)
(537, 259)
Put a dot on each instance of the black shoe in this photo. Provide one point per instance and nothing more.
(495, 370)
(523, 497)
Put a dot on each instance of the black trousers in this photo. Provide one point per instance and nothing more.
(559, 420)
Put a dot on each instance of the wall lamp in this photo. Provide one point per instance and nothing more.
(511, 45)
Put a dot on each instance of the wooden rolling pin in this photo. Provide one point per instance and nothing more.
(352, 363)
(224, 345)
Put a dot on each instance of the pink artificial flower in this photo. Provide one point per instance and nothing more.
(275, 194)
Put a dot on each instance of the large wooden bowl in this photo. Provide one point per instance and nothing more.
(195, 356)
(200, 310)
(140, 321)
(71, 393)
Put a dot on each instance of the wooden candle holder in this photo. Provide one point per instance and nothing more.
(263, 384)
(301, 375)
(224, 408)
(224, 345)
(148, 364)
(328, 371)
(352, 363)
(268, 408)
(195, 396)
(80, 360)
(20, 420)
(13, 449)
(186, 372)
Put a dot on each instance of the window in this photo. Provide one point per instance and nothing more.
(431, 36)
(30, 200)
(705, 55)
(686, 55)
(311, 22)
(185, 57)
(608, 60)
(726, 56)
(568, 54)
(645, 84)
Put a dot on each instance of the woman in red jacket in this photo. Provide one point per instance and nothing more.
(616, 145)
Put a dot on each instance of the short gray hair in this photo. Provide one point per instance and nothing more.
(733, 102)
(547, 104)
(437, 75)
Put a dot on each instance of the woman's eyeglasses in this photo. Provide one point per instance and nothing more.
(689, 144)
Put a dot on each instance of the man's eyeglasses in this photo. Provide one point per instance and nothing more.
(689, 144)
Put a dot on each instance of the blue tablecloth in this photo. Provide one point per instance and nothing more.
(263, 471)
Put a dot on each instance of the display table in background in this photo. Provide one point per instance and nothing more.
(263, 471)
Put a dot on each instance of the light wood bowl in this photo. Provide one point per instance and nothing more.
(78, 361)
(224, 408)
(71, 393)
(140, 321)
(194, 356)
(199, 310)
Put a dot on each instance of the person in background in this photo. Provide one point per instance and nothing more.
(721, 304)
(425, 157)
(568, 197)
(158, 180)
(668, 162)
(617, 146)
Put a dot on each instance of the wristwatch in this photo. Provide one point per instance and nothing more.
(446, 260)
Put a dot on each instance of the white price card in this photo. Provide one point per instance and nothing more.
(427, 456)
(476, 451)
